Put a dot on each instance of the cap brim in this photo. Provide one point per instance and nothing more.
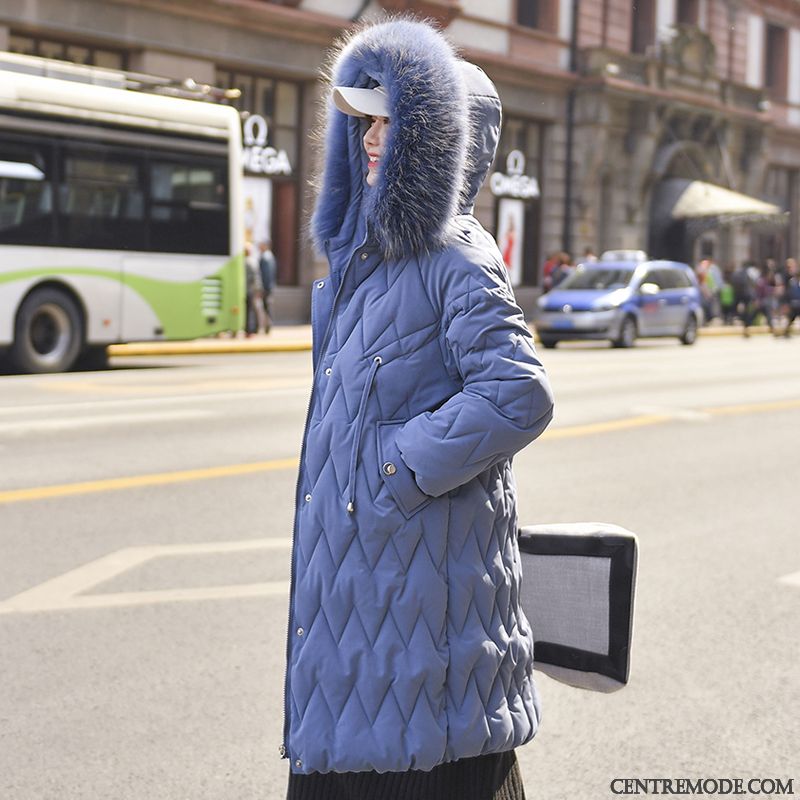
(361, 102)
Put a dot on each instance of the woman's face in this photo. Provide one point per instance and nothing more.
(374, 142)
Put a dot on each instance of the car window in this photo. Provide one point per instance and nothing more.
(653, 276)
(598, 278)
(669, 278)
(682, 279)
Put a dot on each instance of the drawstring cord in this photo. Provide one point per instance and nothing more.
(351, 481)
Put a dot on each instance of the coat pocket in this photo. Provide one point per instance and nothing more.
(398, 478)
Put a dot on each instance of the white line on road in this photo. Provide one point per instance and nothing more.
(674, 412)
(66, 591)
(91, 405)
(792, 580)
(23, 427)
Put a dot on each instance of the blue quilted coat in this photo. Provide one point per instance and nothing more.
(407, 646)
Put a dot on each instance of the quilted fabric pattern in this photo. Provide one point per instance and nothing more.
(407, 646)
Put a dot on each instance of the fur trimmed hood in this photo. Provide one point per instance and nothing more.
(423, 174)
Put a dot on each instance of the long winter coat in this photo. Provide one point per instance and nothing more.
(407, 646)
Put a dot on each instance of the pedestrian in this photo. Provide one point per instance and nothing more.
(727, 295)
(254, 322)
(268, 268)
(561, 270)
(409, 660)
(589, 256)
(743, 294)
(791, 295)
(764, 300)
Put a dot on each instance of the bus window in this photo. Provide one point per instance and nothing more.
(26, 195)
(189, 206)
(101, 201)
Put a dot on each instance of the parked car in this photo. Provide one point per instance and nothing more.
(620, 301)
(623, 255)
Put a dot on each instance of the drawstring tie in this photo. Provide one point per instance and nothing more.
(351, 480)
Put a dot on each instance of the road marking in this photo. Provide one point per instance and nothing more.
(233, 386)
(68, 591)
(755, 408)
(138, 481)
(791, 580)
(682, 414)
(670, 415)
(572, 431)
(22, 427)
(135, 402)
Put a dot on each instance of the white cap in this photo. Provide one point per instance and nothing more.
(361, 102)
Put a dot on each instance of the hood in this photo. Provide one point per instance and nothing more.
(485, 117)
(422, 174)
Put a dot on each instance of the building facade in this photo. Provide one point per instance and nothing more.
(609, 106)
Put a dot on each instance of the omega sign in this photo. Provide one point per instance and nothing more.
(258, 158)
(514, 183)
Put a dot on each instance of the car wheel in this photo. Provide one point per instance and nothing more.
(627, 333)
(689, 335)
(47, 333)
(548, 341)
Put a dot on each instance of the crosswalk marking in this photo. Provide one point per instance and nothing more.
(70, 590)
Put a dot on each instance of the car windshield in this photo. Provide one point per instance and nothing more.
(598, 278)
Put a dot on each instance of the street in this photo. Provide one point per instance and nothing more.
(145, 526)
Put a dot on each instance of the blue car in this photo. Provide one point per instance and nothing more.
(620, 301)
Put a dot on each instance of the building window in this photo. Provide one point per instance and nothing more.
(272, 203)
(643, 27)
(528, 13)
(776, 60)
(277, 101)
(688, 12)
(67, 51)
(537, 14)
(517, 223)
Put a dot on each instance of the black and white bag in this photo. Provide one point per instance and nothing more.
(578, 588)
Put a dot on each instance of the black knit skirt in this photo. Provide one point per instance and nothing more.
(492, 777)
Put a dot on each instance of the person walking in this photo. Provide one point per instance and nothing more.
(791, 295)
(254, 321)
(409, 659)
(268, 267)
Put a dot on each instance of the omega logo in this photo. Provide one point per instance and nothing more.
(258, 158)
(514, 183)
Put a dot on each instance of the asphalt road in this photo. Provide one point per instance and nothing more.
(145, 519)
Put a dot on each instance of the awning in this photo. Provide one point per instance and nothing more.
(700, 199)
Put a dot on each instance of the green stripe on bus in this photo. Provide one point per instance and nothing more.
(178, 306)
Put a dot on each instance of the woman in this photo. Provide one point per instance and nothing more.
(409, 659)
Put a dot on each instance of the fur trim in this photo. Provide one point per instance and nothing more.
(422, 171)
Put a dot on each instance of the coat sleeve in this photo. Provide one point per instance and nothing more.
(505, 401)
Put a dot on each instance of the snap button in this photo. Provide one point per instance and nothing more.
(328, 371)
(282, 750)
(298, 763)
(320, 284)
(308, 498)
(389, 468)
(364, 256)
(300, 631)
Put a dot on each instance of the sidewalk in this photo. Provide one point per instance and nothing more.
(289, 338)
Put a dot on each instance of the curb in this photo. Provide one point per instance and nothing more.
(227, 346)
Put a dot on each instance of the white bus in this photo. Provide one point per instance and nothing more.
(120, 214)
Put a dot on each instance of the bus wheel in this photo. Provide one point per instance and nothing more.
(47, 335)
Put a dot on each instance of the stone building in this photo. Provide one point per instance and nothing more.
(625, 122)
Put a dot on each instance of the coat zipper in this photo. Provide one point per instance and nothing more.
(284, 748)
(362, 406)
